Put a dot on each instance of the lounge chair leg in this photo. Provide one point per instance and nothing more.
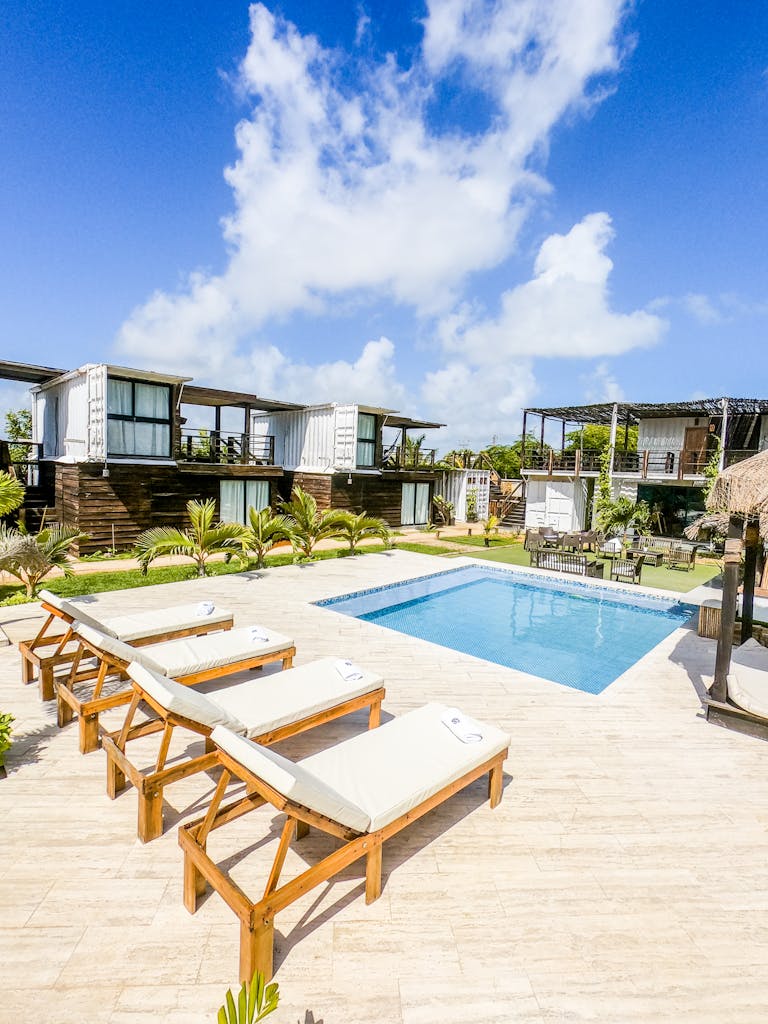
(288, 662)
(495, 780)
(194, 884)
(63, 712)
(115, 779)
(89, 733)
(374, 715)
(256, 948)
(302, 829)
(46, 682)
(210, 746)
(27, 670)
(373, 873)
(150, 814)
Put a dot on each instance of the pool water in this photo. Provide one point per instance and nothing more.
(577, 634)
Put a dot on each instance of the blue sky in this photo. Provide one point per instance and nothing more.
(452, 208)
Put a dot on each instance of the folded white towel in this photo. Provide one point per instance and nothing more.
(259, 635)
(205, 608)
(348, 670)
(464, 728)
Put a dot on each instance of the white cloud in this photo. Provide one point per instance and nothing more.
(701, 308)
(600, 385)
(564, 310)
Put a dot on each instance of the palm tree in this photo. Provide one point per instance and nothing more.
(354, 528)
(620, 515)
(31, 557)
(264, 532)
(203, 539)
(490, 526)
(11, 493)
(308, 525)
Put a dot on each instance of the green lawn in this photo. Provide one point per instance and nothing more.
(678, 580)
(101, 582)
(478, 541)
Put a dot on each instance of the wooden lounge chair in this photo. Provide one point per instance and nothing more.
(680, 557)
(362, 791)
(746, 709)
(189, 660)
(46, 652)
(263, 709)
(627, 570)
(567, 561)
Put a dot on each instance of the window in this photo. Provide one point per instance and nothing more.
(138, 418)
(414, 508)
(366, 439)
(237, 496)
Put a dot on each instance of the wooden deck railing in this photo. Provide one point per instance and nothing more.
(219, 447)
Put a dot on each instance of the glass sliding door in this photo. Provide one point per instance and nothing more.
(414, 506)
(237, 496)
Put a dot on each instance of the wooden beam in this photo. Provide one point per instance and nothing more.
(719, 688)
(751, 551)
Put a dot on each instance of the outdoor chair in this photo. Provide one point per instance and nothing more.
(363, 791)
(572, 542)
(747, 681)
(45, 653)
(265, 710)
(190, 660)
(627, 570)
(567, 561)
(679, 557)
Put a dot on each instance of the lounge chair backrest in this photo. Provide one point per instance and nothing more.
(119, 650)
(74, 612)
(291, 780)
(183, 700)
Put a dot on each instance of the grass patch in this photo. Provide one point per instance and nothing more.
(679, 581)
(478, 541)
(422, 549)
(130, 579)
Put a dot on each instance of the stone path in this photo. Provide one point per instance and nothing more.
(622, 879)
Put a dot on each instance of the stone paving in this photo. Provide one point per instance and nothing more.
(623, 878)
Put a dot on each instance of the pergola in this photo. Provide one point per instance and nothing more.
(740, 493)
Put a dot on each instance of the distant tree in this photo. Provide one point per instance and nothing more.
(597, 436)
(18, 427)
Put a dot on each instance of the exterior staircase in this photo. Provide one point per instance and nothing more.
(36, 510)
(509, 508)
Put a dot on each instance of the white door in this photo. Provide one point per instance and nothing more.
(559, 505)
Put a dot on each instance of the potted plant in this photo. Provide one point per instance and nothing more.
(490, 527)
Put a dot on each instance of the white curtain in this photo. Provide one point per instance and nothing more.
(366, 439)
(231, 498)
(120, 437)
(152, 439)
(119, 397)
(256, 495)
(421, 515)
(408, 505)
(151, 401)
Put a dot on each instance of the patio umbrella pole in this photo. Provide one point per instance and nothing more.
(719, 689)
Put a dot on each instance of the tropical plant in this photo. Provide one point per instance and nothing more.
(203, 539)
(471, 505)
(354, 528)
(712, 468)
(597, 437)
(443, 508)
(11, 493)
(619, 516)
(30, 557)
(490, 527)
(5, 736)
(265, 530)
(254, 1002)
(18, 428)
(308, 525)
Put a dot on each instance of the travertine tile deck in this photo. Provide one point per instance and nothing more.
(624, 877)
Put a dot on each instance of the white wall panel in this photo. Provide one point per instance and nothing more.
(665, 434)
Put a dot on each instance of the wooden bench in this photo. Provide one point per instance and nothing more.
(567, 561)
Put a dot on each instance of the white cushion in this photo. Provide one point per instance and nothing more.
(74, 611)
(291, 780)
(182, 700)
(393, 769)
(141, 625)
(748, 677)
(267, 703)
(189, 655)
(118, 649)
(379, 775)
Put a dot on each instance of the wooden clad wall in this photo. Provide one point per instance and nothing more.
(132, 498)
(379, 496)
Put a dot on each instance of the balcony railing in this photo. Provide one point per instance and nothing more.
(220, 448)
(22, 458)
(418, 459)
(664, 463)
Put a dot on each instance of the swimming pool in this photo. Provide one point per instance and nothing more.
(579, 634)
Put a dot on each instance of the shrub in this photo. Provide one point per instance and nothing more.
(5, 735)
(254, 1002)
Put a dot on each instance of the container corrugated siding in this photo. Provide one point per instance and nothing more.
(664, 434)
(303, 438)
(97, 412)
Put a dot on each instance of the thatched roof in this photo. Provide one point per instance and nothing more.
(742, 489)
(716, 522)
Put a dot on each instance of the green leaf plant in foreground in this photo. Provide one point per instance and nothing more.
(254, 1002)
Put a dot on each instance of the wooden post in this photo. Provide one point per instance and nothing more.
(751, 550)
(522, 446)
(719, 688)
(723, 434)
(541, 442)
(612, 445)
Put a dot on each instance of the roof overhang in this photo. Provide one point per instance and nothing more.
(411, 424)
(636, 411)
(193, 394)
(29, 373)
